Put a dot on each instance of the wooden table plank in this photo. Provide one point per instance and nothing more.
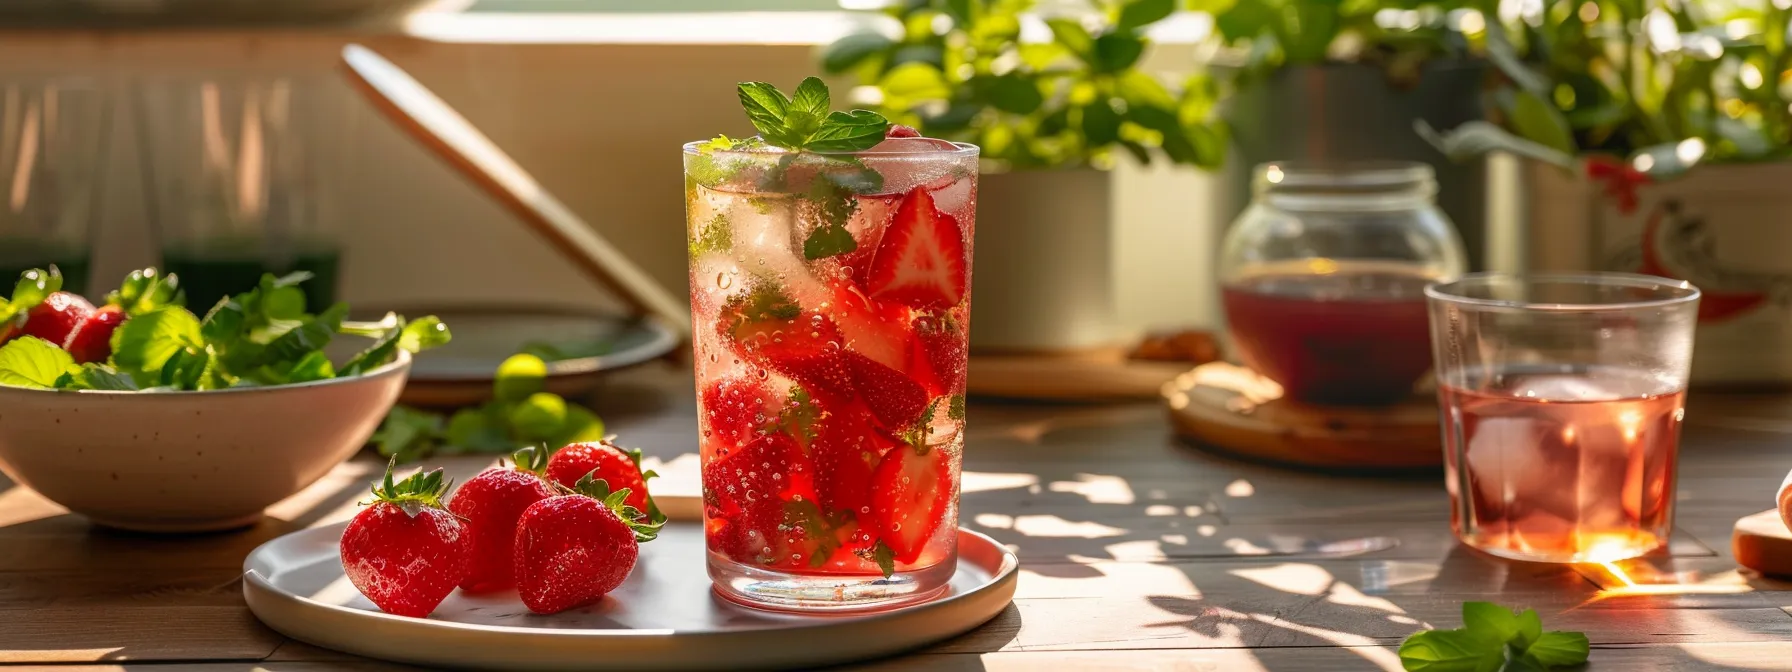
(1138, 554)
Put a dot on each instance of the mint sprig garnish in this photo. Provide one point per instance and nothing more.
(1494, 639)
(803, 122)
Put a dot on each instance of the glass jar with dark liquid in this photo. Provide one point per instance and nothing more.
(1323, 276)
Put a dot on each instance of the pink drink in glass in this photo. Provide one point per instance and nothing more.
(1570, 467)
(830, 295)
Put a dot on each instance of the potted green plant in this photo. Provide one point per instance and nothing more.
(1320, 80)
(1051, 116)
(1657, 136)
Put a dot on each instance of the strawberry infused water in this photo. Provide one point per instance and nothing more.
(830, 288)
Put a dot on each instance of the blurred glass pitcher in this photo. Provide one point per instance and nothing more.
(53, 132)
(239, 183)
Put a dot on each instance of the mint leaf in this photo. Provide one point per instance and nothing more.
(955, 407)
(1530, 627)
(811, 97)
(425, 333)
(767, 109)
(95, 377)
(885, 558)
(407, 434)
(714, 236)
(1450, 651)
(1559, 649)
(518, 377)
(144, 344)
(854, 131)
(479, 430)
(828, 241)
(1490, 619)
(33, 362)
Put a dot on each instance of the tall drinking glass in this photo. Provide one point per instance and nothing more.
(53, 134)
(1562, 399)
(830, 298)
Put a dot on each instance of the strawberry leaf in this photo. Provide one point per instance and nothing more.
(96, 377)
(33, 362)
(146, 290)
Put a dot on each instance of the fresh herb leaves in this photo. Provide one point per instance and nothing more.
(259, 337)
(33, 287)
(803, 122)
(519, 414)
(1493, 639)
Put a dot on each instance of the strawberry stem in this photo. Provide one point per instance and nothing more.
(418, 491)
(599, 489)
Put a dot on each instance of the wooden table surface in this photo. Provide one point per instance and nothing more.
(1137, 554)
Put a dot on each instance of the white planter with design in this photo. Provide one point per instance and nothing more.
(1721, 227)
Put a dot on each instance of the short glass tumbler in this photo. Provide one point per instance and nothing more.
(830, 303)
(1562, 399)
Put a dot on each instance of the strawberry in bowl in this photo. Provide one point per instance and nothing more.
(140, 393)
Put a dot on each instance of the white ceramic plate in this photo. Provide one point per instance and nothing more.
(664, 617)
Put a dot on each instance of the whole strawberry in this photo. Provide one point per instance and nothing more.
(489, 505)
(56, 318)
(91, 341)
(405, 552)
(573, 549)
(618, 467)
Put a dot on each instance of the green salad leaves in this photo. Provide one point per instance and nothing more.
(1493, 639)
(260, 337)
(521, 413)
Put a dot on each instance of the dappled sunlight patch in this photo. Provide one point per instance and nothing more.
(1240, 488)
(1160, 510)
(1047, 525)
(1639, 578)
(1097, 488)
(1206, 530)
(994, 521)
(1141, 578)
(984, 481)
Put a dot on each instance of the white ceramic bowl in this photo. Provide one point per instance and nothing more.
(188, 461)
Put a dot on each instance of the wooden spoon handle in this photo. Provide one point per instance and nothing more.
(450, 136)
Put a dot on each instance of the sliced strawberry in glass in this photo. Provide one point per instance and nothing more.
(737, 409)
(747, 490)
(846, 451)
(921, 260)
(911, 492)
(874, 329)
(938, 354)
(896, 400)
(769, 329)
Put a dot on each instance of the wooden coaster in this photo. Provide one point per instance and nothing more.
(1235, 410)
(1762, 543)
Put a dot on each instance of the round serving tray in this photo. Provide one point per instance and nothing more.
(665, 616)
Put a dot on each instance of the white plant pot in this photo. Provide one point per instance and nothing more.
(1720, 227)
(1042, 276)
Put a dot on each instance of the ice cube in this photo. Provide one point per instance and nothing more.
(1506, 459)
(955, 198)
